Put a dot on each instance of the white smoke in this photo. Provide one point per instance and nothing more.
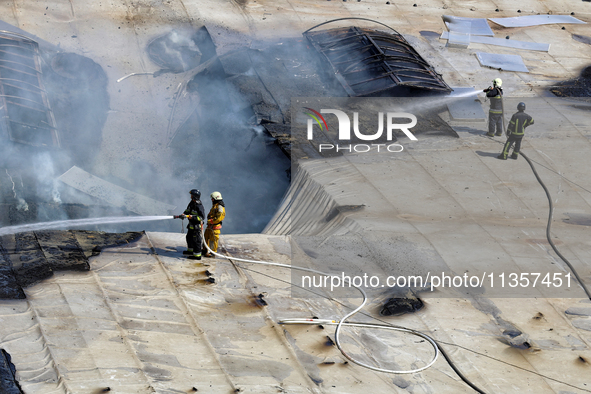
(21, 203)
(47, 183)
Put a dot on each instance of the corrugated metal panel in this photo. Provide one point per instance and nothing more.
(26, 116)
(369, 62)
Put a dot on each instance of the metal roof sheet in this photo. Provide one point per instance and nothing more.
(369, 62)
(24, 108)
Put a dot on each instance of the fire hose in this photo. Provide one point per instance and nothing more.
(343, 322)
(549, 224)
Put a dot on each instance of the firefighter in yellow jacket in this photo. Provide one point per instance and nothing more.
(215, 216)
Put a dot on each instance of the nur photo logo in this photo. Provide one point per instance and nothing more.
(348, 131)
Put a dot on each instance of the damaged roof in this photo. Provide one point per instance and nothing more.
(25, 113)
(369, 62)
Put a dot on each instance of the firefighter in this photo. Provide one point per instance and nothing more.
(495, 113)
(195, 213)
(214, 223)
(519, 121)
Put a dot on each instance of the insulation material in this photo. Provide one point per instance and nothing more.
(502, 62)
(478, 26)
(459, 34)
(534, 20)
(458, 40)
(526, 45)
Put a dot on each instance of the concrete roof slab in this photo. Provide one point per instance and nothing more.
(461, 183)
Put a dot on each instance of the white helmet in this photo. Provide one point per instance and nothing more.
(497, 82)
(216, 196)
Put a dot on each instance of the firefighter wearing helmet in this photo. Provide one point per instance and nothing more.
(515, 132)
(195, 213)
(495, 113)
(215, 217)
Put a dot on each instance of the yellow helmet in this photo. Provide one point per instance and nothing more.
(497, 82)
(216, 196)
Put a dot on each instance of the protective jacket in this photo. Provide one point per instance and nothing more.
(195, 209)
(217, 213)
(519, 121)
(495, 95)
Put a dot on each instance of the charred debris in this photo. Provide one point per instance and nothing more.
(27, 258)
(8, 381)
(576, 88)
(340, 62)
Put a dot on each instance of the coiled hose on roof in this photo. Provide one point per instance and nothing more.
(343, 322)
(437, 348)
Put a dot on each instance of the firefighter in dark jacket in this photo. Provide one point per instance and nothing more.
(495, 113)
(214, 223)
(195, 213)
(519, 121)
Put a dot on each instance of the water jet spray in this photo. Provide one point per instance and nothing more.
(64, 224)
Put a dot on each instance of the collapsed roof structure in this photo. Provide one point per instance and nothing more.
(25, 113)
(369, 62)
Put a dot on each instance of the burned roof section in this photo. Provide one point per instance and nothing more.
(26, 116)
(29, 257)
(374, 63)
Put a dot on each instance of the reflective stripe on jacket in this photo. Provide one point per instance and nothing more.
(519, 121)
(495, 95)
(195, 209)
(216, 214)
